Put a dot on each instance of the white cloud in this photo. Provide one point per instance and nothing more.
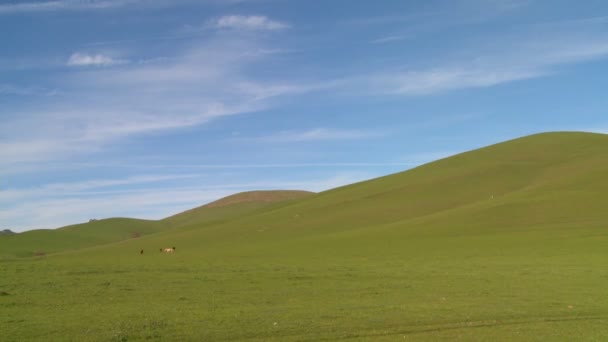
(248, 23)
(81, 59)
(438, 80)
(76, 5)
(10, 89)
(67, 165)
(388, 39)
(317, 134)
(33, 6)
(40, 6)
(76, 188)
(23, 151)
(56, 212)
(62, 135)
(199, 84)
(149, 203)
(262, 91)
(531, 53)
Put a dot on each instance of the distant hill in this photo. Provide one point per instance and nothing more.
(270, 196)
(97, 232)
(539, 180)
(507, 242)
(7, 232)
(103, 231)
(234, 206)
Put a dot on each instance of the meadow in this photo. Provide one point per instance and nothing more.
(502, 243)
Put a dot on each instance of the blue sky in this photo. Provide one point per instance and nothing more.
(147, 108)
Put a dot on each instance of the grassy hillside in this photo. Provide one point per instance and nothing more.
(503, 243)
(100, 232)
(540, 179)
(234, 206)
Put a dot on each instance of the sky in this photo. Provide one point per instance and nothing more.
(146, 108)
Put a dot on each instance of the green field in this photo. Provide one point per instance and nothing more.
(99, 232)
(508, 242)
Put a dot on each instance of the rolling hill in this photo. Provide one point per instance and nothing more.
(99, 232)
(507, 242)
(552, 178)
(234, 206)
(539, 179)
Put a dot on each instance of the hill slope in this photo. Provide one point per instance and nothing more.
(100, 232)
(503, 243)
(234, 206)
(46, 241)
(539, 179)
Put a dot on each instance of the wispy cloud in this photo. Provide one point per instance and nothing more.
(83, 59)
(53, 166)
(439, 80)
(62, 135)
(201, 83)
(82, 5)
(30, 150)
(56, 5)
(57, 212)
(248, 23)
(150, 202)
(530, 53)
(317, 134)
(77, 188)
(10, 89)
(388, 39)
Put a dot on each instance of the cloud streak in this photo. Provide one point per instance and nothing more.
(58, 5)
(204, 82)
(81, 59)
(439, 80)
(532, 53)
(247, 23)
(388, 39)
(10, 89)
(149, 203)
(62, 189)
(78, 5)
(317, 134)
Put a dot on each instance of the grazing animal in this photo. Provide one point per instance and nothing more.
(168, 250)
(141, 252)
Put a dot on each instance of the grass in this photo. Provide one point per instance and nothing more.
(42, 242)
(99, 232)
(503, 243)
(237, 205)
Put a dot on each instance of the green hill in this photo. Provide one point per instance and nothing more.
(100, 232)
(503, 243)
(234, 206)
(96, 232)
(536, 180)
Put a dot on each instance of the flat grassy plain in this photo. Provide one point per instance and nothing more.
(503, 243)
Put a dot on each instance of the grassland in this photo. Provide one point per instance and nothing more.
(98, 232)
(502, 243)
